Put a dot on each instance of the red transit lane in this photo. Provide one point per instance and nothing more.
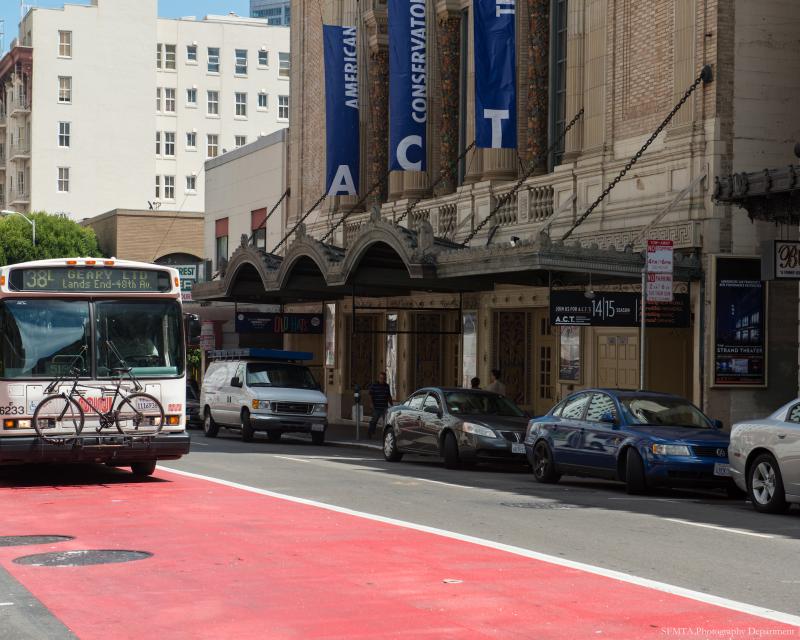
(232, 563)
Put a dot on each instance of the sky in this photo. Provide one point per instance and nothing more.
(10, 12)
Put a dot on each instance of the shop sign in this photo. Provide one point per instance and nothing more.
(739, 323)
(780, 260)
(188, 276)
(615, 309)
(304, 323)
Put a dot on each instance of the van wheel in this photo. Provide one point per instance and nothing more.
(318, 437)
(247, 427)
(274, 436)
(143, 469)
(210, 428)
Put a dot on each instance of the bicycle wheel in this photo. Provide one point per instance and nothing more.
(58, 418)
(140, 414)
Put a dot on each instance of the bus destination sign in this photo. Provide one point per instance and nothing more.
(90, 279)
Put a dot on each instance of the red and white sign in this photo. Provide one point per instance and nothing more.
(659, 270)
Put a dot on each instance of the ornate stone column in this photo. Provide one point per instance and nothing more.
(448, 35)
(377, 101)
(500, 164)
(474, 159)
(536, 114)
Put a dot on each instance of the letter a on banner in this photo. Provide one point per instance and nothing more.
(408, 90)
(341, 110)
(495, 74)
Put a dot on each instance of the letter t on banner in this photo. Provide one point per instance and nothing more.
(495, 74)
(341, 110)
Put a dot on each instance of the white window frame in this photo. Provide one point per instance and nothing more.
(214, 103)
(191, 184)
(169, 187)
(158, 143)
(265, 106)
(281, 108)
(64, 135)
(212, 57)
(64, 94)
(191, 49)
(210, 145)
(263, 53)
(237, 139)
(159, 55)
(240, 62)
(62, 182)
(241, 104)
(169, 144)
(64, 44)
(284, 70)
(169, 100)
(158, 99)
(170, 56)
(191, 97)
(158, 186)
(191, 140)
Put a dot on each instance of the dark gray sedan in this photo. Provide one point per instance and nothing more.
(460, 425)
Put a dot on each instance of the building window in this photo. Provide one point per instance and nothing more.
(241, 104)
(158, 99)
(212, 146)
(241, 62)
(65, 44)
(191, 53)
(21, 181)
(169, 143)
(240, 141)
(284, 64)
(158, 186)
(213, 103)
(169, 100)
(191, 140)
(263, 58)
(222, 250)
(159, 55)
(65, 89)
(283, 107)
(213, 59)
(169, 56)
(558, 78)
(191, 97)
(262, 101)
(63, 179)
(63, 134)
(169, 187)
(191, 184)
(158, 143)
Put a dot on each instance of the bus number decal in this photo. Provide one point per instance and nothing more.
(174, 408)
(12, 410)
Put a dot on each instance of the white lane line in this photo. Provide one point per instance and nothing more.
(725, 529)
(199, 444)
(6, 604)
(292, 459)
(743, 607)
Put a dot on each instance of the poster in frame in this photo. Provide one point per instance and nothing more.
(570, 362)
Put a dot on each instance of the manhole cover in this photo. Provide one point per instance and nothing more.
(81, 558)
(16, 541)
(542, 505)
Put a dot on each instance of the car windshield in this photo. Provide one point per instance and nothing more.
(667, 411)
(481, 404)
(278, 374)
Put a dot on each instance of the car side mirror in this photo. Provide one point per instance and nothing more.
(608, 418)
(433, 410)
(235, 382)
(717, 424)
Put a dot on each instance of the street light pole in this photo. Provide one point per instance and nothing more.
(30, 221)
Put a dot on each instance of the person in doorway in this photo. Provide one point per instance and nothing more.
(475, 383)
(381, 396)
(496, 385)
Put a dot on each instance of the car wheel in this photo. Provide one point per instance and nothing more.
(247, 426)
(318, 437)
(390, 451)
(210, 428)
(635, 481)
(274, 436)
(143, 469)
(765, 485)
(450, 451)
(544, 467)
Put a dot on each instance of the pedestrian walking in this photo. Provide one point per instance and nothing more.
(496, 384)
(381, 396)
(475, 383)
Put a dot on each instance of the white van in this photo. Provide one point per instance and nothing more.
(262, 390)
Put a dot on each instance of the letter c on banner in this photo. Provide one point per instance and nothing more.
(342, 183)
(497, 116)
(402, 153)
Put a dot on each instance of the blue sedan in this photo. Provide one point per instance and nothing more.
(644, 439)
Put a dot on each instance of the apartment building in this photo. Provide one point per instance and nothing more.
(275, 12)
(106, 106)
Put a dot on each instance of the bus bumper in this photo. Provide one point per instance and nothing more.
(115, 450)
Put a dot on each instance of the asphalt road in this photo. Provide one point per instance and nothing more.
(697, 540)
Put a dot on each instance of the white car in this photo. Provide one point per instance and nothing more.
(262, 390)
(764, 455)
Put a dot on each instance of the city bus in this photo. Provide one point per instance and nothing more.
(90, 319)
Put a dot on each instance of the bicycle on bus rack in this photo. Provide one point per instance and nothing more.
(60, 418)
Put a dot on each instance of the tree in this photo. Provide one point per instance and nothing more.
(56, 237)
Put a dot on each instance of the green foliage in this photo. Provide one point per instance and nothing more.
(193, 358)
(56, 237)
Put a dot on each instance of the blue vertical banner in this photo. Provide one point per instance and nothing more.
(408, 89)
(495, 74)
(341, 110)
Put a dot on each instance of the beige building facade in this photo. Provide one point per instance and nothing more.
(618, 68)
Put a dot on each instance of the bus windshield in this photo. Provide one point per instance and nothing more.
(47, 338)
